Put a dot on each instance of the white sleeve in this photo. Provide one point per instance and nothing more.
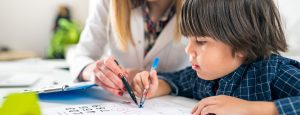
(93, 38)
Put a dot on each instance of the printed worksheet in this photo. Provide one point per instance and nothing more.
(151, 107)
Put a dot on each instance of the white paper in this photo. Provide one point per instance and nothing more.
(151, 107)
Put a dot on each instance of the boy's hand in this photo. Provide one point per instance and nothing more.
(145, 80)
(220, 105)
(227, 105)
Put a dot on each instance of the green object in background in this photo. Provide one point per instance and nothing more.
(21, 104)
(68, 33)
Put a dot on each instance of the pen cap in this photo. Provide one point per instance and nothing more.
(155, 63)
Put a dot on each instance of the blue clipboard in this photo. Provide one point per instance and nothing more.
(61, 88)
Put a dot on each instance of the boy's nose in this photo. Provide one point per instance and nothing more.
(190, 50)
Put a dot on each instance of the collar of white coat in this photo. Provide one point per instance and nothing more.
(137, 28)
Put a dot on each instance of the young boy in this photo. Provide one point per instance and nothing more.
(236, 67)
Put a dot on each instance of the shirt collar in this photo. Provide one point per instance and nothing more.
(237, 74)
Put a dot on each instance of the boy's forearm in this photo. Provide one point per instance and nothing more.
(262, 108)
(163, 88)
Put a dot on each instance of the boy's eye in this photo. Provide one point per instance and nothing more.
(200, 42)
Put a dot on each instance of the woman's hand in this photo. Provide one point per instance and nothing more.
(227, 105)
(145, 80)
(105, 73)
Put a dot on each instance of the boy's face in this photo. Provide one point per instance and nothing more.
(212, 59)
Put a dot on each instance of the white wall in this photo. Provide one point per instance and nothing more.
(289, 10)
(27, 24)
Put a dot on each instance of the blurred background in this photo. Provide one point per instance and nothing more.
(27, 27)
(30, 28)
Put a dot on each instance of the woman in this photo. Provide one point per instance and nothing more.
(133, 32)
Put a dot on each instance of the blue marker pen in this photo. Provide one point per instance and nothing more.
(143, 98)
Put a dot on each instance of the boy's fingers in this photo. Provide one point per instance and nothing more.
(194, 109)
(138, 80)
(209, 110)
(203, 103)
(153, 75)
(153, 84)
(138, 90)
(153, 79)
(145, 79)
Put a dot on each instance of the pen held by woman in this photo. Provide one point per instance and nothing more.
(127, 86)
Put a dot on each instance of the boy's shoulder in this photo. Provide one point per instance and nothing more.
(275, 63)
(275, 59)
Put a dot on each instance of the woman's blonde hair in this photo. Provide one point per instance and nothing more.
(120, 20)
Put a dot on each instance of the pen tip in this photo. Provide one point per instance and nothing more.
(141, 106)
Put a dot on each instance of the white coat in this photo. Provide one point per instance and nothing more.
(98, 39)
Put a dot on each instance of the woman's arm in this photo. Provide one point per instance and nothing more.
(93, 38)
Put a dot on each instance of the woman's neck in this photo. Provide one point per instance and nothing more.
(158, 8)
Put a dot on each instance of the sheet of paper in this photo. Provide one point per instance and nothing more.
(152, 107)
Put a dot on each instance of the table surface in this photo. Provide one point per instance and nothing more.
(51, 73)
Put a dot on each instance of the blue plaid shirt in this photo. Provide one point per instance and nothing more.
(274, 79)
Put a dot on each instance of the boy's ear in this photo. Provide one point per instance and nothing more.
(240, 54)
